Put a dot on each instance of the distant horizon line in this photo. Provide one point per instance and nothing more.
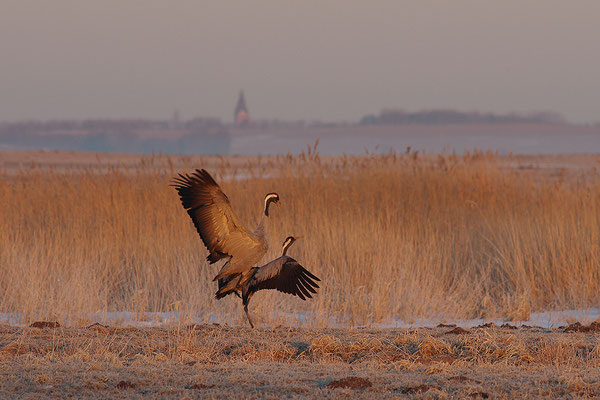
(551, 117)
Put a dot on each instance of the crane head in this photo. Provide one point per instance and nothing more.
(288, 242)
(270, 198)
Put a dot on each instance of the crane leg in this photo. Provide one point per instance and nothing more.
(248, 316)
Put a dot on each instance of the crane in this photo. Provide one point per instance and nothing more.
(284, 274)
(220, 229)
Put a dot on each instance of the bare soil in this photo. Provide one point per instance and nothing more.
(212, 361)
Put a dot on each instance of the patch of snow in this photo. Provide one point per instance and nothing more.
(544, 319)
(14, 319)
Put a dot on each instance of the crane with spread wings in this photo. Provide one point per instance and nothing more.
(220, 229)
(284, 274)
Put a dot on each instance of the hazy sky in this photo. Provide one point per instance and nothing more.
(329, 60)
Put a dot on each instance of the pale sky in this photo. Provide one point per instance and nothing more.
(306, 59)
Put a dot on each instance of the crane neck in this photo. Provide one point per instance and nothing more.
(269, 198)
(286, 245)
(260, 229)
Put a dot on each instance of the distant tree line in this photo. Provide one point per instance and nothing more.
(195, 136)
(400, 117)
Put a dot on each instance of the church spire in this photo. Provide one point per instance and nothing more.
(240, 115)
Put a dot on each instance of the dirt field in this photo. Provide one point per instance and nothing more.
(230, 362)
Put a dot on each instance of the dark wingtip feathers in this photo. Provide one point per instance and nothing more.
(304, 284)
(219, 296)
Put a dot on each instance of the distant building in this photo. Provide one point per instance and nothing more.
(240, 115)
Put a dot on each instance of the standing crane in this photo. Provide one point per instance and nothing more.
(284, 274)
(220, 229)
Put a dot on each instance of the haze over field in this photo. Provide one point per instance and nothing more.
(211, 136)
(333, 61)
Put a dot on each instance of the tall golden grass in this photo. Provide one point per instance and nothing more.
(391, 237)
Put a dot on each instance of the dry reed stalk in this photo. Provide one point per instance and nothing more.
(395, 236)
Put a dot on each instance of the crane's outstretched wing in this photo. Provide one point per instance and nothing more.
(212, 215)
(285, 275)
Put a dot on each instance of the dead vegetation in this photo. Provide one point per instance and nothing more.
(226, 362)
(400, 236)
(397, 236)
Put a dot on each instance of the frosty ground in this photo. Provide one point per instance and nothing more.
(215, 361)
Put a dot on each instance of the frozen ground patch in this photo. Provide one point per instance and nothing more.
(544, 319)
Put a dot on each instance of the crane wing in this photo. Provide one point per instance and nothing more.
(285, 275)
(212, 215)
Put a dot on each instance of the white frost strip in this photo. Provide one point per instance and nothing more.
(545, 319)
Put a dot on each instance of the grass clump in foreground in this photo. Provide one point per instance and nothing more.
(392, 237)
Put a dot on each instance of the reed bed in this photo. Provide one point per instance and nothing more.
(398, 236)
